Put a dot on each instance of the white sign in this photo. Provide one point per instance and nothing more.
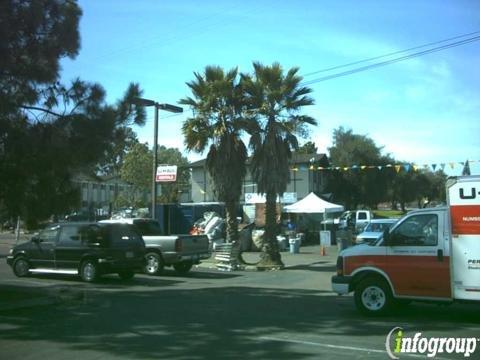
(166, 173)
(254, 198)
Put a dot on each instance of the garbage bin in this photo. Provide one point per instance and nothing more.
(282, 242)
(294, 245)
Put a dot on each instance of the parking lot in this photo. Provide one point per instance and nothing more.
(208, 314)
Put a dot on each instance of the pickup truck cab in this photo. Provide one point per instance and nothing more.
(428, 255)
(356, 219)
(179, 251)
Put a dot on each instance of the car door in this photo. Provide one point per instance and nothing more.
(42, 254)
(68, 251)
(418, 265)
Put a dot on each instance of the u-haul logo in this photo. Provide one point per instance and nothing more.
(464, 194)
(469, 195)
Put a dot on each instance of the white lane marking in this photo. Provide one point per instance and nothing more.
(339, 347)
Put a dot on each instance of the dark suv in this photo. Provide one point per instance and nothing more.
(85, 249)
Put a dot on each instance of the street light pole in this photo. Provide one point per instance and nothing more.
(155, 160)
(166, 107)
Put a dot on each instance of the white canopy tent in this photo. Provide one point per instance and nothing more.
(312, 204)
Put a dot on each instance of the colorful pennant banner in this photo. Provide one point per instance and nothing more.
(396, 167)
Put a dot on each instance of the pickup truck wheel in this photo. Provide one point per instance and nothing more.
(21, 267)
(373, 296)
(154, 264)
(89, 271)
(183, 267)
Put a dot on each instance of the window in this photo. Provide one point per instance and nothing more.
(148, 227)
(48, 235)
(362, 216)
(418, 230)
(69, 235)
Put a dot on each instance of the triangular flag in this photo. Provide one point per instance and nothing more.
(415, 167)
(434, 166)
(397, 168)
(452, 165)
(406, 167)
(442, 166)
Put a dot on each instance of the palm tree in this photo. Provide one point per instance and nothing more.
(217, 104)
(275, 100)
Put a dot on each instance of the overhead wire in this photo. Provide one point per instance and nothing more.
(388, 62)
(389, 54)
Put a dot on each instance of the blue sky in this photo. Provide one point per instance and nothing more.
(424, 110)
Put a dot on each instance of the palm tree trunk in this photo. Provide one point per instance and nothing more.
(231, 222)
(270, 257)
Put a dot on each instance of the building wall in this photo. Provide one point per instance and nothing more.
(303, 180)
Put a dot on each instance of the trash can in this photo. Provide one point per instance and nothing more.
(282, 242)
(294, 245)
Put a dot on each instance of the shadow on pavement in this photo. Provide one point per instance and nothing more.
(210, 323)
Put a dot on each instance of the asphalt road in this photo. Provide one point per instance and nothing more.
(288, 314)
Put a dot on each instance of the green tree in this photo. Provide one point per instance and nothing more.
(217, 104)
(275, 100)
(171, 191)
(49, 131)
(308, 148)
(137, 171)
(357, 186)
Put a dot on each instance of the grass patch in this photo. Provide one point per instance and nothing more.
(388, 214)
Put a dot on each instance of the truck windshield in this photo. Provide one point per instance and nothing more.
(148, 227)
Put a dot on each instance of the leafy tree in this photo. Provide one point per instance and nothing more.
(137, 171)
(217, 104)
(171, 191)
(366, 186)
(49, 131)
(307, 148)
(275, 100)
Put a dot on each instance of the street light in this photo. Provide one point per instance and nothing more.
(166, 107)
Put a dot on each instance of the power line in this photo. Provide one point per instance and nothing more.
(388, 62)
(389, 54)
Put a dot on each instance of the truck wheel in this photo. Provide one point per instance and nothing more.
(183, 267)
(21, 267)
(126, 274)
(89, 271)
(373, 296)
(154, 264)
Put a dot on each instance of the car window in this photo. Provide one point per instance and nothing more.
(148, 227)
(69, 236)
(124, 234)
(418, 230)
(76, 235)
(48, 235)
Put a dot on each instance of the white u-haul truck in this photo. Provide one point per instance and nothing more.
(429, 255)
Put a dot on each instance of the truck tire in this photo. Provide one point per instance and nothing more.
(183, 267)
(373, 296)
(89, 270)
(154, 265)
(21, 267)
